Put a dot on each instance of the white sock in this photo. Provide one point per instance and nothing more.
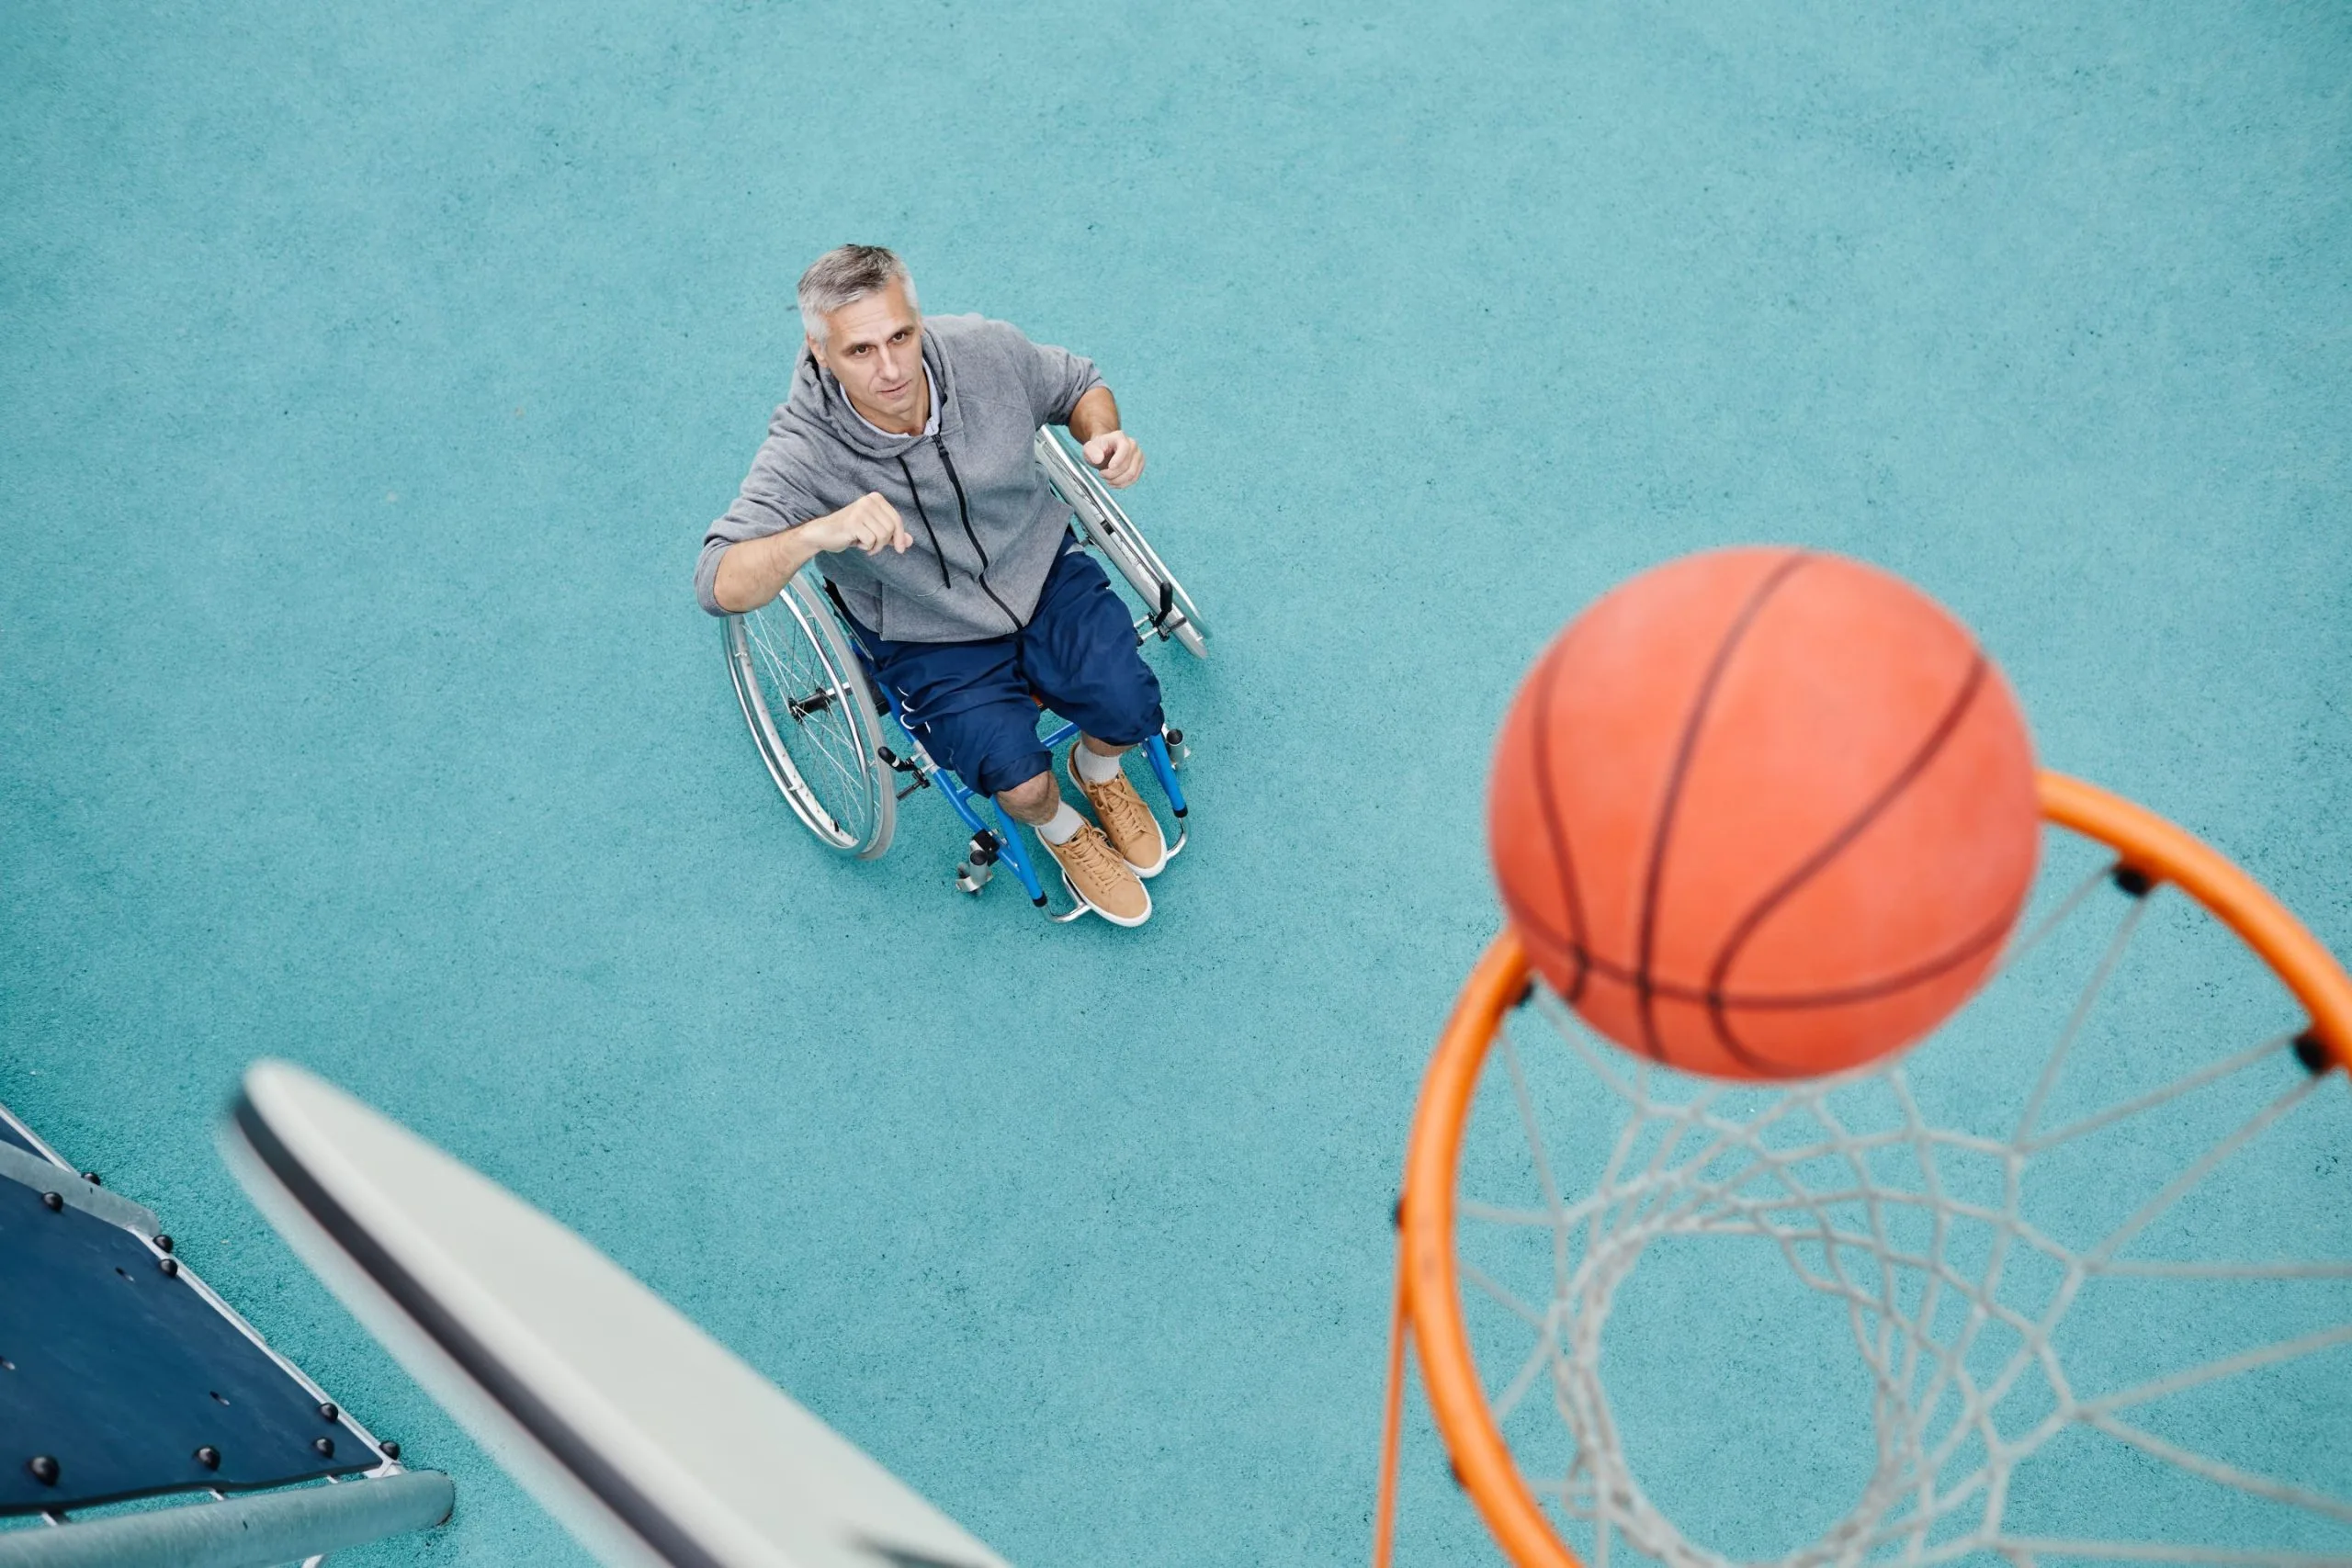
(1094, 767)
(1062, 826)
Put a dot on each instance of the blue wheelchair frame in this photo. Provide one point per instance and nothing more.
(1002, 838)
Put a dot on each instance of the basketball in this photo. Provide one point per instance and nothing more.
(1764, 813)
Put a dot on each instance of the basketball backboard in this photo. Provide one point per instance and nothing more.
(650, 1441)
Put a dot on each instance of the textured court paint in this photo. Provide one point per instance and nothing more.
(366, 381)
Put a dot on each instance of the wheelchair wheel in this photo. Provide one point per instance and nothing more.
(813, 717)
(1107, 528)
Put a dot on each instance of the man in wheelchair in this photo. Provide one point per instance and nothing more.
(985, 605)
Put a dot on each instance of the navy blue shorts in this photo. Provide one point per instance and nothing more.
(970, 702)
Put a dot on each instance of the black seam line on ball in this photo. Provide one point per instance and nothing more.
(1532, 930)
(1812, 865)
(602, 1479)
(1989, 937)
(1799, 1001)
(1547, 799)
(1645, 943)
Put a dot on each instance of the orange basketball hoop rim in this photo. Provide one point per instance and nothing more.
(1428, 1302)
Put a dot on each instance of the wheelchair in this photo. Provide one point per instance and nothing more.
(807, 690)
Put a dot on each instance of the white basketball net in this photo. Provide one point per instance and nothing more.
(1953, 1293)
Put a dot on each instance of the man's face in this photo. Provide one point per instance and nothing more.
(873, 347)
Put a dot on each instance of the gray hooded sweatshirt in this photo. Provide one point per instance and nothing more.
(985, 526)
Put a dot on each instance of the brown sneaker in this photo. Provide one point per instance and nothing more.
(1126, 821)
(1098, 876)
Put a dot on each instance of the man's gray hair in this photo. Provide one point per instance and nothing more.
(843, 276)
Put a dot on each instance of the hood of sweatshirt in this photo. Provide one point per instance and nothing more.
(817, 402)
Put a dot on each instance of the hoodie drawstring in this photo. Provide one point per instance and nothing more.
(927, 528)
(963, 510)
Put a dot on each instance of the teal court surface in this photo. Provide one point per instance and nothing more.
(367, 379)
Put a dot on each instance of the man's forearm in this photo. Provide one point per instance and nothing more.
(752, 573)
(1097, 413)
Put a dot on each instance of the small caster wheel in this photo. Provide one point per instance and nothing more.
(971, 878)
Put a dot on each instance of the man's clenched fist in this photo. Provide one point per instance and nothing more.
(868, 524)
(1115, 453)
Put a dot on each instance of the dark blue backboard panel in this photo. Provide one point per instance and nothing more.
(119, 1372)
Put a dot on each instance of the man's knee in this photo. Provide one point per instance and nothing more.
(1030, 799)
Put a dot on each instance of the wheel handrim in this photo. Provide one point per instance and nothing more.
(1116, 534)
(807, 711)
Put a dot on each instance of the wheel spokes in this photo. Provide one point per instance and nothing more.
(799, 686)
